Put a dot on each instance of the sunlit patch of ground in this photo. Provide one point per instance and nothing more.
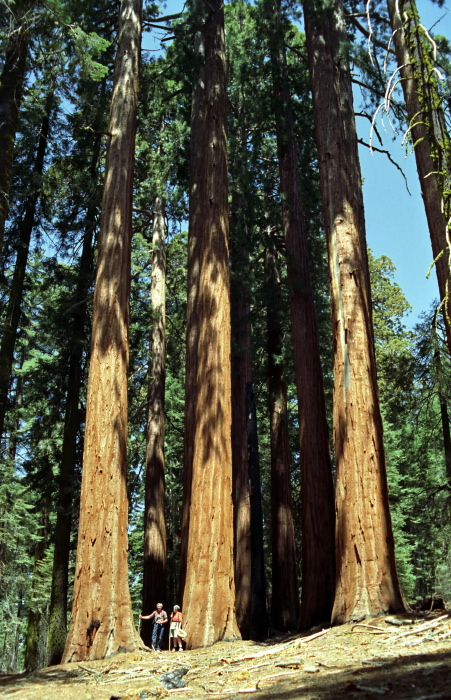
(370, 660)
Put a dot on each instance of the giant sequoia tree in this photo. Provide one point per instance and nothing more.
(209, 544)
(102, 620)
(318, 564)
(270, 142)
(366, 579)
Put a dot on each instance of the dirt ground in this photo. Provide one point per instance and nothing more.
(411, 659)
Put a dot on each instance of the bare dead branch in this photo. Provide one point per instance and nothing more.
(381, 150)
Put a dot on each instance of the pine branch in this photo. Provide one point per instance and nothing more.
(353, 19)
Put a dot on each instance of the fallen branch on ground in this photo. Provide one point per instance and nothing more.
(370, 627)
(304, 640)
(422, 628)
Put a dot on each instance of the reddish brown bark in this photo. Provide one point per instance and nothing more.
(197, 147)
(102, 620)
(423, 122)
(209, 593)
(285, 606)
(241, 374)
(367, 582)
(154, 579)
(317, 500)
(72, 419)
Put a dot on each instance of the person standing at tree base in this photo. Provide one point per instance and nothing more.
(160, 618)
(174, 628)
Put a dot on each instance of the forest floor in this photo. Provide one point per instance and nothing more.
(410, 659)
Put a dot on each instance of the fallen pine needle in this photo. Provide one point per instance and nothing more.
(278, 675)
(304, 640)
(94, 672)
(248, 690)
(370, 627)
(268, 652)
(252, 668)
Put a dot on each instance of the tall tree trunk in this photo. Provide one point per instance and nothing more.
(367, 582)
(197, 145)
(250, 581)
(154, 580)
(317, 499)
(15, 298)
(432, 144)
(285, 606)
(259, 615)
(11, 90)
(72, 421)
(209, 571)
(241, 375)
(102, 620)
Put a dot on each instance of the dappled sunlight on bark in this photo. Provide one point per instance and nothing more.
(102, 619)
(367, 582)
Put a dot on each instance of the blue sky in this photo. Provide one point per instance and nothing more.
(395, 220)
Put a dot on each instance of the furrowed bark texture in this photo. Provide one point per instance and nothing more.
(209, 595)
(285, 606)
(11, 90)
(102, 621)
(197, 146)
(66, 487)
(317, 498)
(241, 374)
(367, 582)
(154, 579)
(432, 145)
(24, 233)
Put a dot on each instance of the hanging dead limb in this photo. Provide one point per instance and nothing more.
(367, 116)
(367, 34)
(382, 150)
(166, 18)
(157, 26)
(301, 54)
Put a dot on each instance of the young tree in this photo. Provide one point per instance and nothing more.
(366, 580)
(102, 621)
(209, 560)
